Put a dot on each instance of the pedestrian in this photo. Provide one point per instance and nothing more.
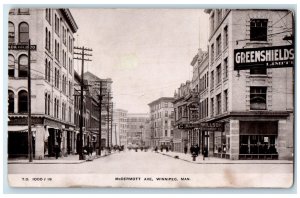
(204, 153)
(57, 150)
(185, 149)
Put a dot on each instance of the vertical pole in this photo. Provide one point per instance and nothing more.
(116, 134)
(30, 153)
(108, 120)
(100, 119)
(81, 109)
(111, 123)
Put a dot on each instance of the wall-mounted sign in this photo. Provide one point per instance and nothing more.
(194, 111)
(21, 47)
(264, 57)
(204, 126)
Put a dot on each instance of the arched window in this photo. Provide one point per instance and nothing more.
(23, 63)
(23, 100)
(23, 32)
(11, 66)
(11, 101)
(11, 32)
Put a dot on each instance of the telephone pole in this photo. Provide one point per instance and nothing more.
(111, 122)
(83, 54)
(108, 95)
(30, 151)
(100, 117)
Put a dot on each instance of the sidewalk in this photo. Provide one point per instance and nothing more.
(213, 160)
(70, 159)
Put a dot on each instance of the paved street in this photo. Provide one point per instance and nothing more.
(131, 162)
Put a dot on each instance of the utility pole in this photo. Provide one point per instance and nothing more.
(82, 53)
(111, 122)
(30, 151)
(108, 95)
(100, 117)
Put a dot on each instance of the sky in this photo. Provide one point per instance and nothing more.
(146, 52)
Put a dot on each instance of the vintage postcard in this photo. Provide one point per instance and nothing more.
(151, 98)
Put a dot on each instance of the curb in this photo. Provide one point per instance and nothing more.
(56, 162)
(230, 162)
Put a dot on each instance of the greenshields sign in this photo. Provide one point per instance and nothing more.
(264, 57)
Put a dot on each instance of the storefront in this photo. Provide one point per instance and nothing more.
(258, 140)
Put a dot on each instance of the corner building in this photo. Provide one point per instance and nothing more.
(256, 105)
(52, 72)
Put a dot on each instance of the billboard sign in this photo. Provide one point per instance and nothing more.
(204, 126)
(264, 57)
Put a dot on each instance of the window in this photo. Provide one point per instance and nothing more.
(225, 35)
(23, 63)
(219, 15)
(11, 102)
(166, 113)
(70, 88)
(23, 11)
(219, 45)
(49, 72)
(219, 102)
(212, 23)
(225, 100)
(225, 68)
(46, 103)
(56, 25)
(46, 39)
(212, 53)
(48, 15)
(258, 97)
(257, 71)
(23, 100)
(11, 32)
(11, 66)
(219, 75)
(49, 41)
(23, 32)
(166, 132)
(212, 79)
(258, 29)
(166, 104)
(212, 107)
(46, 69)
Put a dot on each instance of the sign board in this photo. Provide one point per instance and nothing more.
(21, 47)
(264, 57)
(204, 126)
(194, 111)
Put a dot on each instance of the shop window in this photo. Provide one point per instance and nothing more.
(11, 32)
(258, 97)
(23, 100)
(23, 32)
(258, 29)
(258, 144)
(11, 66)
(11, 102)
(23, 66)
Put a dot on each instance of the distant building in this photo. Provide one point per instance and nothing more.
(51, 31)
(120, 127)
(162, 114)
(136, 128)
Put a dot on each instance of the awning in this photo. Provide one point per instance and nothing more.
(21, 129)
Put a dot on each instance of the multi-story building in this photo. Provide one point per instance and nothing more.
(256, 105)
(51, 34)
(106, 110)
(119, 135)
(136, 128)
(161, 115)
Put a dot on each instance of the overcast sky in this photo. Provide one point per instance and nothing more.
(146, 52)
